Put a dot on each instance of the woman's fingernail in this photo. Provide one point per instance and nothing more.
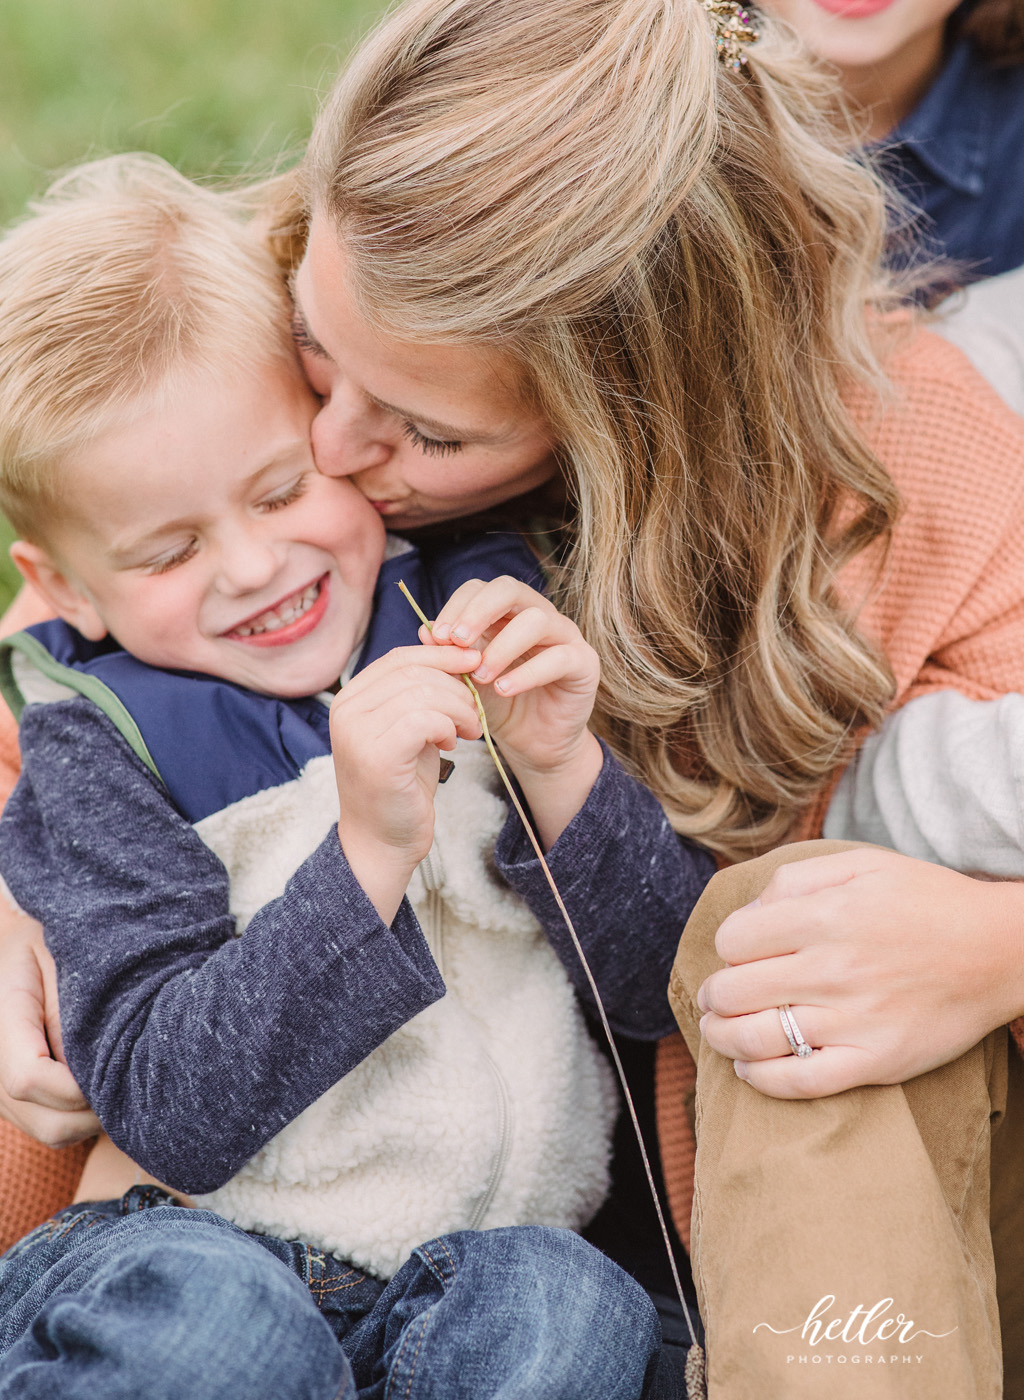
(441, 630)
(702, 1023)
(740, 1066)
(702, 1000)
(461, 634)
(481, 673)
(501, 685)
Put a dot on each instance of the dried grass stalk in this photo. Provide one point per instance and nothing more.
(696, 1384)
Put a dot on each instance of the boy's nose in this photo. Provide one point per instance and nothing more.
(248, 563)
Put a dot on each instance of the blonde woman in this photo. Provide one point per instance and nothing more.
(608, 254)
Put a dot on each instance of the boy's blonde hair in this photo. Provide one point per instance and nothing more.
(684, 261)
(123, 273)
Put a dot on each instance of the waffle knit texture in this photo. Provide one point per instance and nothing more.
(35, 1181)
(948, 609)
(947, 606)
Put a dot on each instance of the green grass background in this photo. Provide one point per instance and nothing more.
(222, 87)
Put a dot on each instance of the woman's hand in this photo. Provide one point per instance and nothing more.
(891, 966)
(37, 1091)
(538, 679)
(388, 727)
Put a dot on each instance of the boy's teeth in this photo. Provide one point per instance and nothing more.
(275, 618)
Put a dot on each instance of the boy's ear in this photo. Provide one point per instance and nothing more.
(62, 593)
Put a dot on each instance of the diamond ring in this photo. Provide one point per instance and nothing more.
(797, 1043)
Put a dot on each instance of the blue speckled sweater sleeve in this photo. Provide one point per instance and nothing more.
(194, 1046)
(629, 883)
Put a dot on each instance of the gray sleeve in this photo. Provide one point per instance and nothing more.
(193, 1046)
(629, 883)
(943, 779)
(987, 324)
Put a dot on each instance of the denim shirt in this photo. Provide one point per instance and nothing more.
(959, 157)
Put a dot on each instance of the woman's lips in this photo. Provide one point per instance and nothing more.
(386, 507)
(291, 631)
(853, 9)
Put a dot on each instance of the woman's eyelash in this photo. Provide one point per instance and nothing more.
(433, 447)
(303, 340)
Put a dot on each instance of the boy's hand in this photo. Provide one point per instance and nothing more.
(388, 727)
(538, 679)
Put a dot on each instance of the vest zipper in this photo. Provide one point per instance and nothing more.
(504, 1145)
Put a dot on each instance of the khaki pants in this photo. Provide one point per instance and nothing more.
(877, 1199)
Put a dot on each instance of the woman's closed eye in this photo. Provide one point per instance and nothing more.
(304, 341)
(433, 447)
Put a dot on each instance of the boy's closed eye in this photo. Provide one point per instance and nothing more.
(285, 495)
(281, 497)
(166, 562)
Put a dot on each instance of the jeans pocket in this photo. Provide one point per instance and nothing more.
(65, 1222)
(27, 1263)
(343, 1294)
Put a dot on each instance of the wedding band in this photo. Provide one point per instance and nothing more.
(797, 1043)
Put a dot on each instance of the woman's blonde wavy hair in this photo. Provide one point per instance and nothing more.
(684, 262)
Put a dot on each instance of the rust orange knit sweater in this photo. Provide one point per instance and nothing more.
(948, 609)
(949, 612)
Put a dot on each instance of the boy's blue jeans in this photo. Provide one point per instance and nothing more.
(119, 1300)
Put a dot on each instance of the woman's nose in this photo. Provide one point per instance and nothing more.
(350, 436)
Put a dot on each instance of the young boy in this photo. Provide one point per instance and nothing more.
(299, 981)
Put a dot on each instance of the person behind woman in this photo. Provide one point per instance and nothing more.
(941, 87)
(566, 238)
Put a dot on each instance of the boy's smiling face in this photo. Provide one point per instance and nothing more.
(202, 538)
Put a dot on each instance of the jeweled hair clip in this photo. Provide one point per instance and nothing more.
(734, 31)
